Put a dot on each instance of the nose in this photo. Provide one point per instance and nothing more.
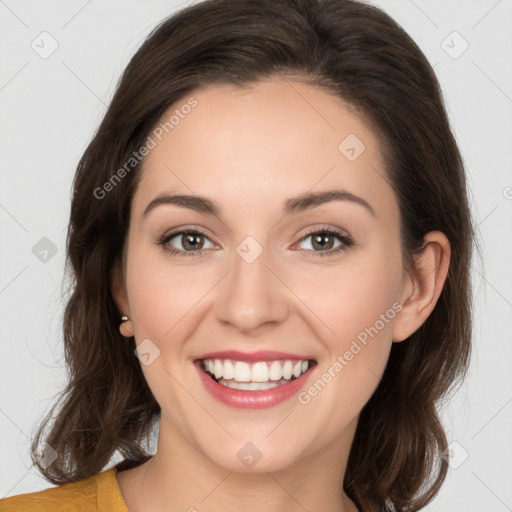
(251, 297)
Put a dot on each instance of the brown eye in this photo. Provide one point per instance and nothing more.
(185, 241)
(323, 242)
(192, 241)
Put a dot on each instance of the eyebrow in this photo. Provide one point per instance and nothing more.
(301, 203)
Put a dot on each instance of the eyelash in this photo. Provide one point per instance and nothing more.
(345, 239)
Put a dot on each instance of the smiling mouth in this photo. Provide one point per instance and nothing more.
(256, 376)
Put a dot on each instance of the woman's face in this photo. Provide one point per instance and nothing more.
(263, 274)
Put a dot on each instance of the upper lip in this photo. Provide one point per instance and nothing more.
(251, 357)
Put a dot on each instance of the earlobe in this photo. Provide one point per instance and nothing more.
(428, 278)
(118, 290)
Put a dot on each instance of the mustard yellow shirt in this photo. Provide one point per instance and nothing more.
(99, 493)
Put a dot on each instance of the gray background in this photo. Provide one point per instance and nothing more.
(50, 108)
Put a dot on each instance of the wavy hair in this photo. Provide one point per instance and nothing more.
(360, 54)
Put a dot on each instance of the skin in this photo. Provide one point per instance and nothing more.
(250, 150)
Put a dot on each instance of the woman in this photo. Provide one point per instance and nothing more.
(270, 242)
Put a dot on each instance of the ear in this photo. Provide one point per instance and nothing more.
(427, 281)
(120, 296)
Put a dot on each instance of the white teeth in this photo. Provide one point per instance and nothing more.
(218, 369)
(287, 370)
(228, 371)
(276, 372)
(251, 386)
(264, 372)
(259, 373)
(242, 372)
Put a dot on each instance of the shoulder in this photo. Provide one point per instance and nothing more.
(97, 493)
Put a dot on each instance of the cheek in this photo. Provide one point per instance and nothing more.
(360, 312)
(164, 306)
(355, 296)
(163, 294)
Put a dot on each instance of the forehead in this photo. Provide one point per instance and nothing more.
(259, 145)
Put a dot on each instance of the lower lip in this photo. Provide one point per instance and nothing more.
(246, 399)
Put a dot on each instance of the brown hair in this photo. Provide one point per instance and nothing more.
(363, 56)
